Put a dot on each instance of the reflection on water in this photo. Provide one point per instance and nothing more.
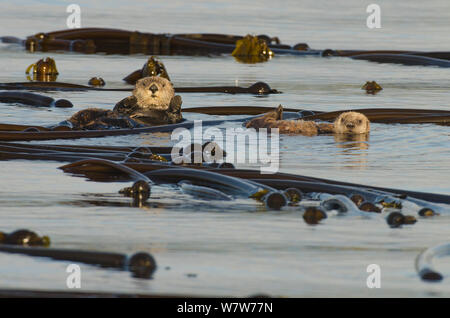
(351, 142)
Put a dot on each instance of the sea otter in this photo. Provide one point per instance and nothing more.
(153, 103)
(345, 123)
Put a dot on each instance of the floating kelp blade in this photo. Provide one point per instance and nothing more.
(203, 192)
(22, 128)
(314, 186)
(33, 293)
(152, 67)
(56, 86)
(440, 59)
(96, 82)
(133, 174)
(235, 110)
(349, 53)
(44, 133)
(24, 237)
(256, 176)
(372, 87)
(313, 215)
(43, 70)
(392, 115)
(4, 155)
(63, 153)
(286, 177)
(142, 265)
(285, 180)
(11, 132)
(293, 194)
(140, 191)
(272, 198)
(95, 148)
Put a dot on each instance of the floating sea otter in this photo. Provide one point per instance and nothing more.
(153, 103)
(345, 123)
(372, 87)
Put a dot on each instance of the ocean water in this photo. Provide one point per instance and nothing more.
(239, 248)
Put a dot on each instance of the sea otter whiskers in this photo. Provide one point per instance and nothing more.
(345, 123)
(153, 103)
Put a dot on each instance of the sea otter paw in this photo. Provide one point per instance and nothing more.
(175, 104)
(126, 106)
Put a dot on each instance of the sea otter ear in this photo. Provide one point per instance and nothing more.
(279, 112)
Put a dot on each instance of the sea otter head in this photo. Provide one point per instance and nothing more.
(153, 92)
(351, 123)
(266, 120)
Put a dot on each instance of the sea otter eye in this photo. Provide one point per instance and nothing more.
(360, 122)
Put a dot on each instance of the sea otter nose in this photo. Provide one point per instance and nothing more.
(153, 88)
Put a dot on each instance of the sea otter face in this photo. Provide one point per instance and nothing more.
(153, 92)
(351, 123)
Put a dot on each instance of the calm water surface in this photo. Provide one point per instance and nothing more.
(239, 248)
